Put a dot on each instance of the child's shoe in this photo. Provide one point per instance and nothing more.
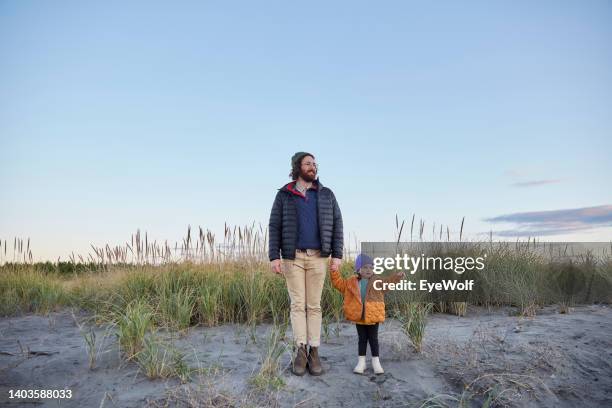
(376, 366)
(361, 365)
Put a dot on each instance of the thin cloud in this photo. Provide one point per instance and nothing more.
(555, 222)
(535, 183)
(514, 173)
(538, 232)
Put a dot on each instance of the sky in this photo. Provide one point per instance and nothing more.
(117, 116)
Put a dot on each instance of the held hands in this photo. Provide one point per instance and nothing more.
(334, 264)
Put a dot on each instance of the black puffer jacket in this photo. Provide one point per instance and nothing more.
(283, 225)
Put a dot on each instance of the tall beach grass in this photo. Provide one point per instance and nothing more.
(211, 281)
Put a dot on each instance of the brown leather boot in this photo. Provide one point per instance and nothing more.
(314, 364)
(300, 361)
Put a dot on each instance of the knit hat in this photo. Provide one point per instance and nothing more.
(362, 259)
(295, 160)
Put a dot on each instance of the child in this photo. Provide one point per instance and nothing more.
(364, 305)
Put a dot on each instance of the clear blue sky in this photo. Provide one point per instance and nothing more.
(155, 115)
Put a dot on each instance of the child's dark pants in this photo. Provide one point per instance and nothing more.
(368, 333)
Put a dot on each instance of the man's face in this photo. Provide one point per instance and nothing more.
(366, 271)
(308, 170)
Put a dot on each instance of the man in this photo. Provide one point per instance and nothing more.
(305, 229)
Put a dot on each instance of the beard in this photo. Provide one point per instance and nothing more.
(308, 176)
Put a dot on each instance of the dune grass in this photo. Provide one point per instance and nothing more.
(212, 280)
(181, 295)
(158, 359)
(413, 318)
(269, 374)
(132, 327)
(24, 289)
(141, 287)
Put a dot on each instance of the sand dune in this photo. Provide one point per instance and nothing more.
(550, 360)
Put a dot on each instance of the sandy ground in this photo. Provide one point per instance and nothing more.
(551, 360)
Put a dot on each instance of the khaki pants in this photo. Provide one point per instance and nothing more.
(305, 276)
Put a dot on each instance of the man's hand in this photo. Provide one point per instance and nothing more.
(335, 264)
(276, 266)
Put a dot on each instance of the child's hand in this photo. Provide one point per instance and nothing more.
(400, 274)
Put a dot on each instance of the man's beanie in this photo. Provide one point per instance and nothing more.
(295, 160)
(362, 259)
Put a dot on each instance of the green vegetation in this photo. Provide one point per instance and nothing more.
(413, 318)
(132, 327)
(180, 295)
(140, 287)
(159, 359)
(269, 375)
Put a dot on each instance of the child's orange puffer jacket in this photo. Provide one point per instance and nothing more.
(374, 301)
